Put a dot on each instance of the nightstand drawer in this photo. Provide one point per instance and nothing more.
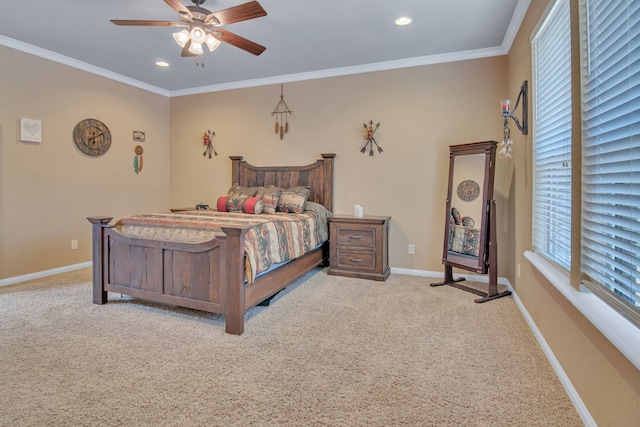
(355, 260)
(356, 237)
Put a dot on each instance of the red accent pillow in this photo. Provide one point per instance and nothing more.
(222, 204)
(244, 204)
(253, 205)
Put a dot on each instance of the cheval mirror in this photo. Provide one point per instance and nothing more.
(470, 224)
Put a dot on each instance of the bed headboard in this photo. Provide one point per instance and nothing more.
(318, 176)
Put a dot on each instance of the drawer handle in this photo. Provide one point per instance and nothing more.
(356, 260)
(356, 237)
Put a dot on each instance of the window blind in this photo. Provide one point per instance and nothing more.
(551, 48)
(611, 154)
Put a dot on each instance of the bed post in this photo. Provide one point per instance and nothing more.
(235, 298)
(99, 222)
(235, 169)
(328, 180)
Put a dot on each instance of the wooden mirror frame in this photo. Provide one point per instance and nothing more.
(484, 176)
(482, 234)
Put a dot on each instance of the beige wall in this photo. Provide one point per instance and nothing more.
(421, 111)
(47, 190)
(606, 381)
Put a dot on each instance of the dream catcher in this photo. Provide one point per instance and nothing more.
(281, 112)
(137, 160)
(369, 138)
(207, 141)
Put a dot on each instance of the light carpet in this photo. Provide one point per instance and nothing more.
(329, 351)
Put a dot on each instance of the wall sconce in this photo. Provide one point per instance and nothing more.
(507, 112)
(505, 148)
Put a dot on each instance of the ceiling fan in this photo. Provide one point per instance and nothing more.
(202, 26)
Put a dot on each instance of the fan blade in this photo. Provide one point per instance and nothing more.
(237, 41)
(180, 8)
(238, 13)
(185, 50)
(147, 23)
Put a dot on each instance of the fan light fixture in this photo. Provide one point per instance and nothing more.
(181, 37)
(212, 42)
(196, 48)
(197, 36)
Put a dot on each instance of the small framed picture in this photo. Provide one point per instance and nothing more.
(30, 130)
(138, 136)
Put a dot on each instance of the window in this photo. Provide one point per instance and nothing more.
(610, 179)
(610, 235)
(551, 48)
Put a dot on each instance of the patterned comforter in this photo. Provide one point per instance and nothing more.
(272, 239)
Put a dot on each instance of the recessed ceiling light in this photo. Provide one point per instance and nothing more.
(162, 64)
(404, 20)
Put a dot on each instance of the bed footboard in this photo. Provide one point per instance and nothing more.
(206, 276)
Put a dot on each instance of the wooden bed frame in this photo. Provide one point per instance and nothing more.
(206, 276)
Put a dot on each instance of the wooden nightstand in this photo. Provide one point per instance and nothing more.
(359, 247)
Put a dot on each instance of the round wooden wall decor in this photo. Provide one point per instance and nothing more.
(92, 137)
(468, 190)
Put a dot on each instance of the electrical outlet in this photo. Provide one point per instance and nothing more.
(412, 249)
(74, 245)
(518, 270)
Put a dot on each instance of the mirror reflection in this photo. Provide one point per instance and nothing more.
(466, 205)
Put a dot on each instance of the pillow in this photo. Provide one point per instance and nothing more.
(292, 200)
(320, 211)
(238, 190)
(302, 189)
(467, 221)
(221, 204)
(253, 205)
(244, 204)
(456, 215)
(270, 197)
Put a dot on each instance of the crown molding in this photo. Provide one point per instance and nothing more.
(345, 71)
(65, 60)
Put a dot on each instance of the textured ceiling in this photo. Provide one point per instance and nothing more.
(304, 38)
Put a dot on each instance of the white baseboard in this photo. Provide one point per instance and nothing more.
(45, 273)
(582, 410)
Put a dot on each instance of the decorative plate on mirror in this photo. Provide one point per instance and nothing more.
(468, 190)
